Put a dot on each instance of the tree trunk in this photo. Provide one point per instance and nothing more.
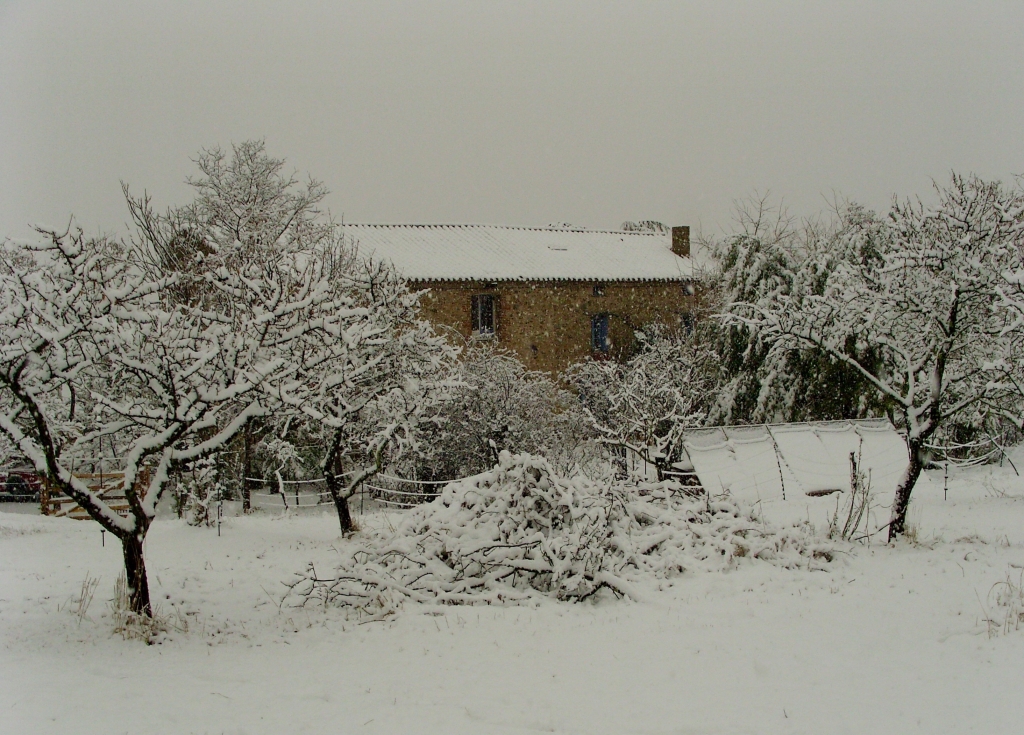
(332, 473)
(344, 514)
(660, 466)
(246, 467)
(898, 519)
(135, 573)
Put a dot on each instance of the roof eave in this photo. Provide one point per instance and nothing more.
(524, 279)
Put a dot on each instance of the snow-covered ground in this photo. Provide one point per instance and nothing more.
(888, 640)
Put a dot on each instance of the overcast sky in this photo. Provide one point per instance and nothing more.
(522, 113)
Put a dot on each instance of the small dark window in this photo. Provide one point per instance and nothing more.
(599, 333)
(598, 289)
(483, 315)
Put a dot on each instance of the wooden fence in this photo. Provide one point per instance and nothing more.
(108, 485)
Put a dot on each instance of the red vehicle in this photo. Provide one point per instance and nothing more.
(20, 484)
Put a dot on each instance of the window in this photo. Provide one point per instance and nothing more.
(598, 289)
(483, 315)
(686, 323)
(599, 333)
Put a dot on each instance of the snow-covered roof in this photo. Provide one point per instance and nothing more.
(492, 252)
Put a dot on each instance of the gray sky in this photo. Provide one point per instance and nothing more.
(514, 113)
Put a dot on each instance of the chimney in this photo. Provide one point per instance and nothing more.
(681, 241)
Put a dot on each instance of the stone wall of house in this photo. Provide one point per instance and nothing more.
(548, 323)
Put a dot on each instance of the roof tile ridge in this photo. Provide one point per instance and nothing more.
(453, 225)
(421, 225)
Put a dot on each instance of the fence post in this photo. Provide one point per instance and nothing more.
(44, 496)
(778, 459)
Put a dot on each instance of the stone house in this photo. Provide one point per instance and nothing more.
(553, 296)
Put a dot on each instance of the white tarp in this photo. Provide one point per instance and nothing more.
(740, 460)
(788, 461)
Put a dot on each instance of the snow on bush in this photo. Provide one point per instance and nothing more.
(520, 530)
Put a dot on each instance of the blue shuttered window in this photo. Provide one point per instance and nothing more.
(599, 333)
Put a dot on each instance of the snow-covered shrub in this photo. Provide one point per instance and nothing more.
(646, 402)
(520, 530)
(295, 457)
(499, 405)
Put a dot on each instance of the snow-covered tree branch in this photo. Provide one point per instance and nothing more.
(761, 382)
(369, 378)
(908, 302)
(165, 348)
(96, 348)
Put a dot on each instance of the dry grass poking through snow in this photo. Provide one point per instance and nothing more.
(132, 626)
(520, 530)
(1005, 612)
